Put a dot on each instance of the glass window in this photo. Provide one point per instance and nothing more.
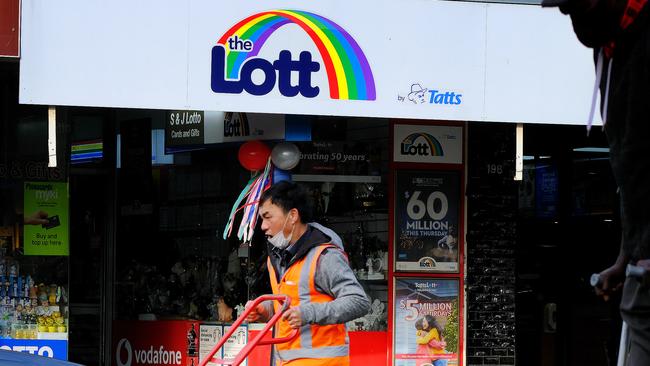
(180, 208)
(34, 231)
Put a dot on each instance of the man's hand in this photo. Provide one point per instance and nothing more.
(37, 218)
(611, 280)
(293, 316)
(645, 263)
(258, 314)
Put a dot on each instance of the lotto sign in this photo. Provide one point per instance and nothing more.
(234, 59)
(47, 348)
(428, 144)
(427, 221)
(313, 58)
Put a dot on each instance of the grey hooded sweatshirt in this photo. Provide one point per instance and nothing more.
(333, 277)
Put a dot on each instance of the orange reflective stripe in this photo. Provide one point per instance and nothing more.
(312, 268)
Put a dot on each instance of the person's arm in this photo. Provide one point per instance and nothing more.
(611, 279)
(262, 313)
(436, 341)
(335, 278)
(37, 218)
(426, 337)
(438, 345)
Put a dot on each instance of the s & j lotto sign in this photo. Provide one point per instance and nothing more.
(184, 128)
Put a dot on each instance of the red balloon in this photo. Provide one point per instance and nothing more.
(253, 155)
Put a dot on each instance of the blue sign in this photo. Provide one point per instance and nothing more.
(42, 347)
(546, 190)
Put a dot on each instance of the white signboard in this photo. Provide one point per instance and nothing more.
(209, 335)
(444, 60)
(428, 144)
(235, 343)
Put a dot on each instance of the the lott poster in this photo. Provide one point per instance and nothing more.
(427, 220)
(426, 325)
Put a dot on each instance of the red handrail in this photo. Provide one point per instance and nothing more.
(248, 348)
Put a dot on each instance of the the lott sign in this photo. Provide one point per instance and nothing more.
(363, 58)
(163, 343)
(234, 59)
(428, 144)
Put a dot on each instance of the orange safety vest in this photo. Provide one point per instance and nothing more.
(316, 345)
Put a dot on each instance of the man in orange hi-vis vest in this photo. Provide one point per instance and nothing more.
(306, 261)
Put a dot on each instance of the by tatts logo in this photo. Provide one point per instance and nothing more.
(125, 354)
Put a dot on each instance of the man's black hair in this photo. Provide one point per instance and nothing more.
(288, 195)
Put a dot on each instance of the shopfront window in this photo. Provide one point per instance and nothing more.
(172, 261)
(346, 169)
(568, 228)
(34, 235)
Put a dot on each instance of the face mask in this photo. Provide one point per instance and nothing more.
(279, 240)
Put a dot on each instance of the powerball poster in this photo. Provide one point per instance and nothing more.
(427, 221)
(426, 325)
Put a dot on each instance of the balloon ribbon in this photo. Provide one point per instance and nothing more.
(253, 190)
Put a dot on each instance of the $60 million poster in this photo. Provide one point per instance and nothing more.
(427, 221)
(426, 322)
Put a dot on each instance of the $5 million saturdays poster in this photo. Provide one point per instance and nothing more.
(427, 220)
(426, 322)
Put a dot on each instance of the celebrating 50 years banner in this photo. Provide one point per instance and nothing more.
(377, 58)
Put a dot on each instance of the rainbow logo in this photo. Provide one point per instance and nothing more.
(348, 71)
(430, 147)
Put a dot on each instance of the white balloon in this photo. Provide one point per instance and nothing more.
(285, 155)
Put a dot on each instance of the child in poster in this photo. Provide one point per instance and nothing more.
(429, 340)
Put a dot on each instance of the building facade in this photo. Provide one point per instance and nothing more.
(406, 116)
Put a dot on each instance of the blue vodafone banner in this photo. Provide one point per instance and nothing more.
(42, 347)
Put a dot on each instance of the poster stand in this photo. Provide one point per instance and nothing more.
(426, 264)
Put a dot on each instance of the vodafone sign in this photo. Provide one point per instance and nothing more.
(154, 343)
(129, 353)
(160, 356)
